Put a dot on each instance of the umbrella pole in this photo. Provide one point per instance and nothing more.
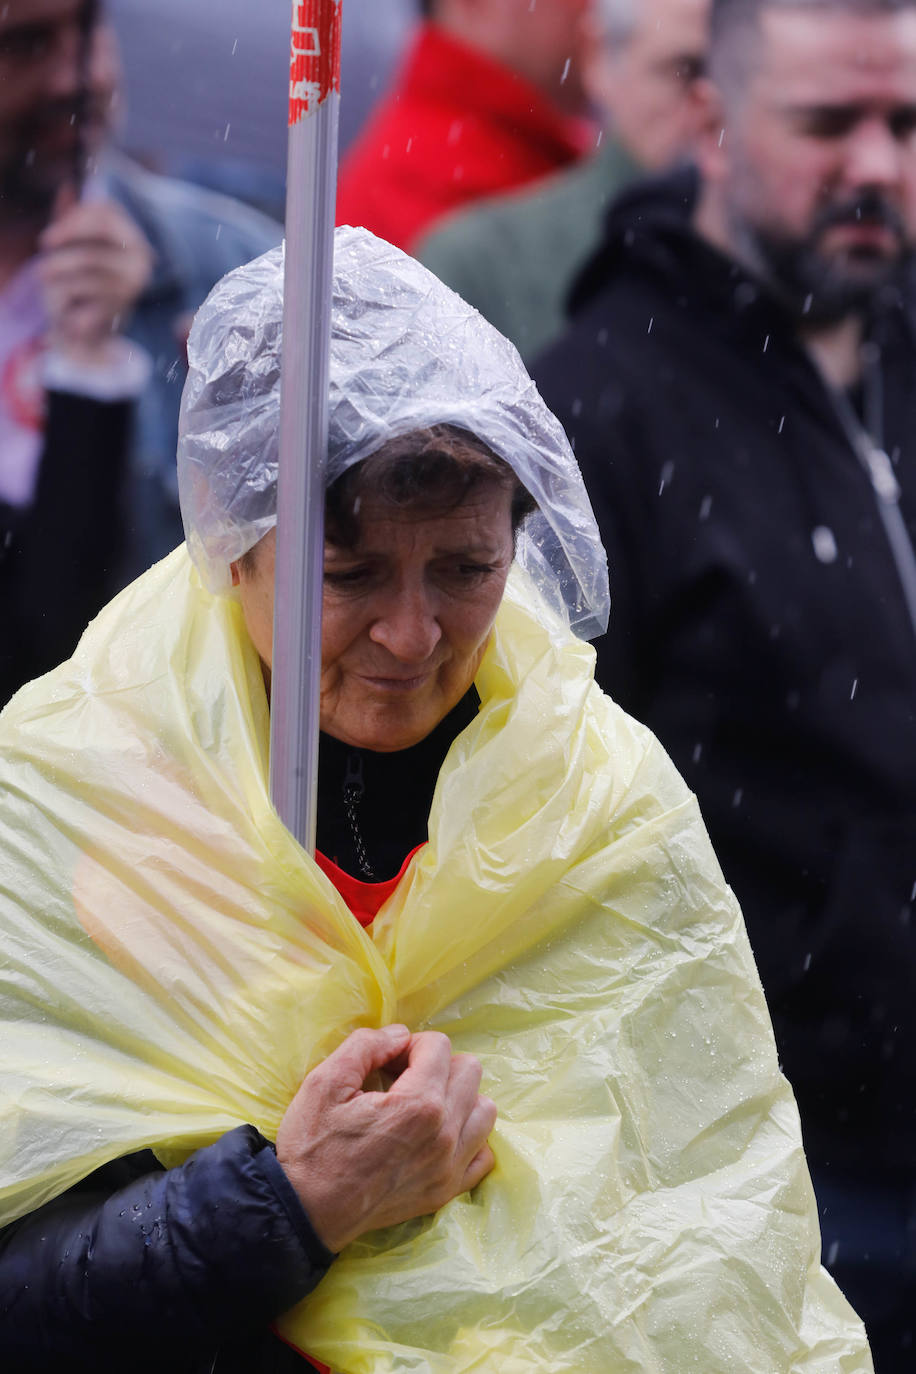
(310, 202)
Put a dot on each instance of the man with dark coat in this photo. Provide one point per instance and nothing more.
(738, 380)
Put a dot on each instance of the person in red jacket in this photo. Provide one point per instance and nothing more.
(489, 98)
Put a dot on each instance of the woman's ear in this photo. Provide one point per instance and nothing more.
(234, 571)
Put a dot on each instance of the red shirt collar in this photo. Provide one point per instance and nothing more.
(365, 900)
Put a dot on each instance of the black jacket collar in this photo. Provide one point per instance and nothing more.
(648, 232)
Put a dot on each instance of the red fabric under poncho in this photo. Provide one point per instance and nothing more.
(365, 900)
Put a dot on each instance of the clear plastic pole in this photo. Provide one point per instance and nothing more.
(310, 200)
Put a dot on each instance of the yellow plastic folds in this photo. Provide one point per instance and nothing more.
(173, 964)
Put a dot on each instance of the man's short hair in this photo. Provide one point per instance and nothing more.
(732, 23)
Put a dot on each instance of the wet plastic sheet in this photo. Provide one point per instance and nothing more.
(173, 964)
(405, 353)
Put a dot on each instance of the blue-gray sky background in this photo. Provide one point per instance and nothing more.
(206, 80)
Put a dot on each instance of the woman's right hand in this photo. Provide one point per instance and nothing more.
(361, 1159)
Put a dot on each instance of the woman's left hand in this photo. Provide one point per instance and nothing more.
(362, 1159)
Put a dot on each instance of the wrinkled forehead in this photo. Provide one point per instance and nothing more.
(824, 57)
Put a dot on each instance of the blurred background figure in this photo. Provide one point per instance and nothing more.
(515, 256)
(490, 97)
(738, 381)
(209, 86)
(101, 265)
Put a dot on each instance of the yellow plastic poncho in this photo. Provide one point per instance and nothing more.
(173, 964)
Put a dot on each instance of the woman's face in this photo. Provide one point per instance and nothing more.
(407, 613)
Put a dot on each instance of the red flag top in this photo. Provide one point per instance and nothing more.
(314, 67)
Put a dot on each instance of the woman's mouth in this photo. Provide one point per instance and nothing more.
(398, 684)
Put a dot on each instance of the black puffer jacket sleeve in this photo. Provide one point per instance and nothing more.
(161, 1273)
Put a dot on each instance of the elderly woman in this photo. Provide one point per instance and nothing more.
(231, 1071)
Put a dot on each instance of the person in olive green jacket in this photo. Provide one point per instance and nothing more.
(514, 257)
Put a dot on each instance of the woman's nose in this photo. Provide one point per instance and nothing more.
(407, 627)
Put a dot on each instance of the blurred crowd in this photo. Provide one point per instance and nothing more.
(695, 219)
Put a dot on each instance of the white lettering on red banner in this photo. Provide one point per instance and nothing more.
(314, 55)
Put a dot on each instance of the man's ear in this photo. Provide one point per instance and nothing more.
(711, 139)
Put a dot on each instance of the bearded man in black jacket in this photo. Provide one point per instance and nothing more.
(739, 381)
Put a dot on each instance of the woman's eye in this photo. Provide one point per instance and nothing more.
(346, 577)
(470, 572)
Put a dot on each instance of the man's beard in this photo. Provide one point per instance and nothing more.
(24, 195)
(821, 288)
(30, 178)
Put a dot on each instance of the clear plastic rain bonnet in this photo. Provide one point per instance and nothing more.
(406, 354)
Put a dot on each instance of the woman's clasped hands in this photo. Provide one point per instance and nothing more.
(359, 1158)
